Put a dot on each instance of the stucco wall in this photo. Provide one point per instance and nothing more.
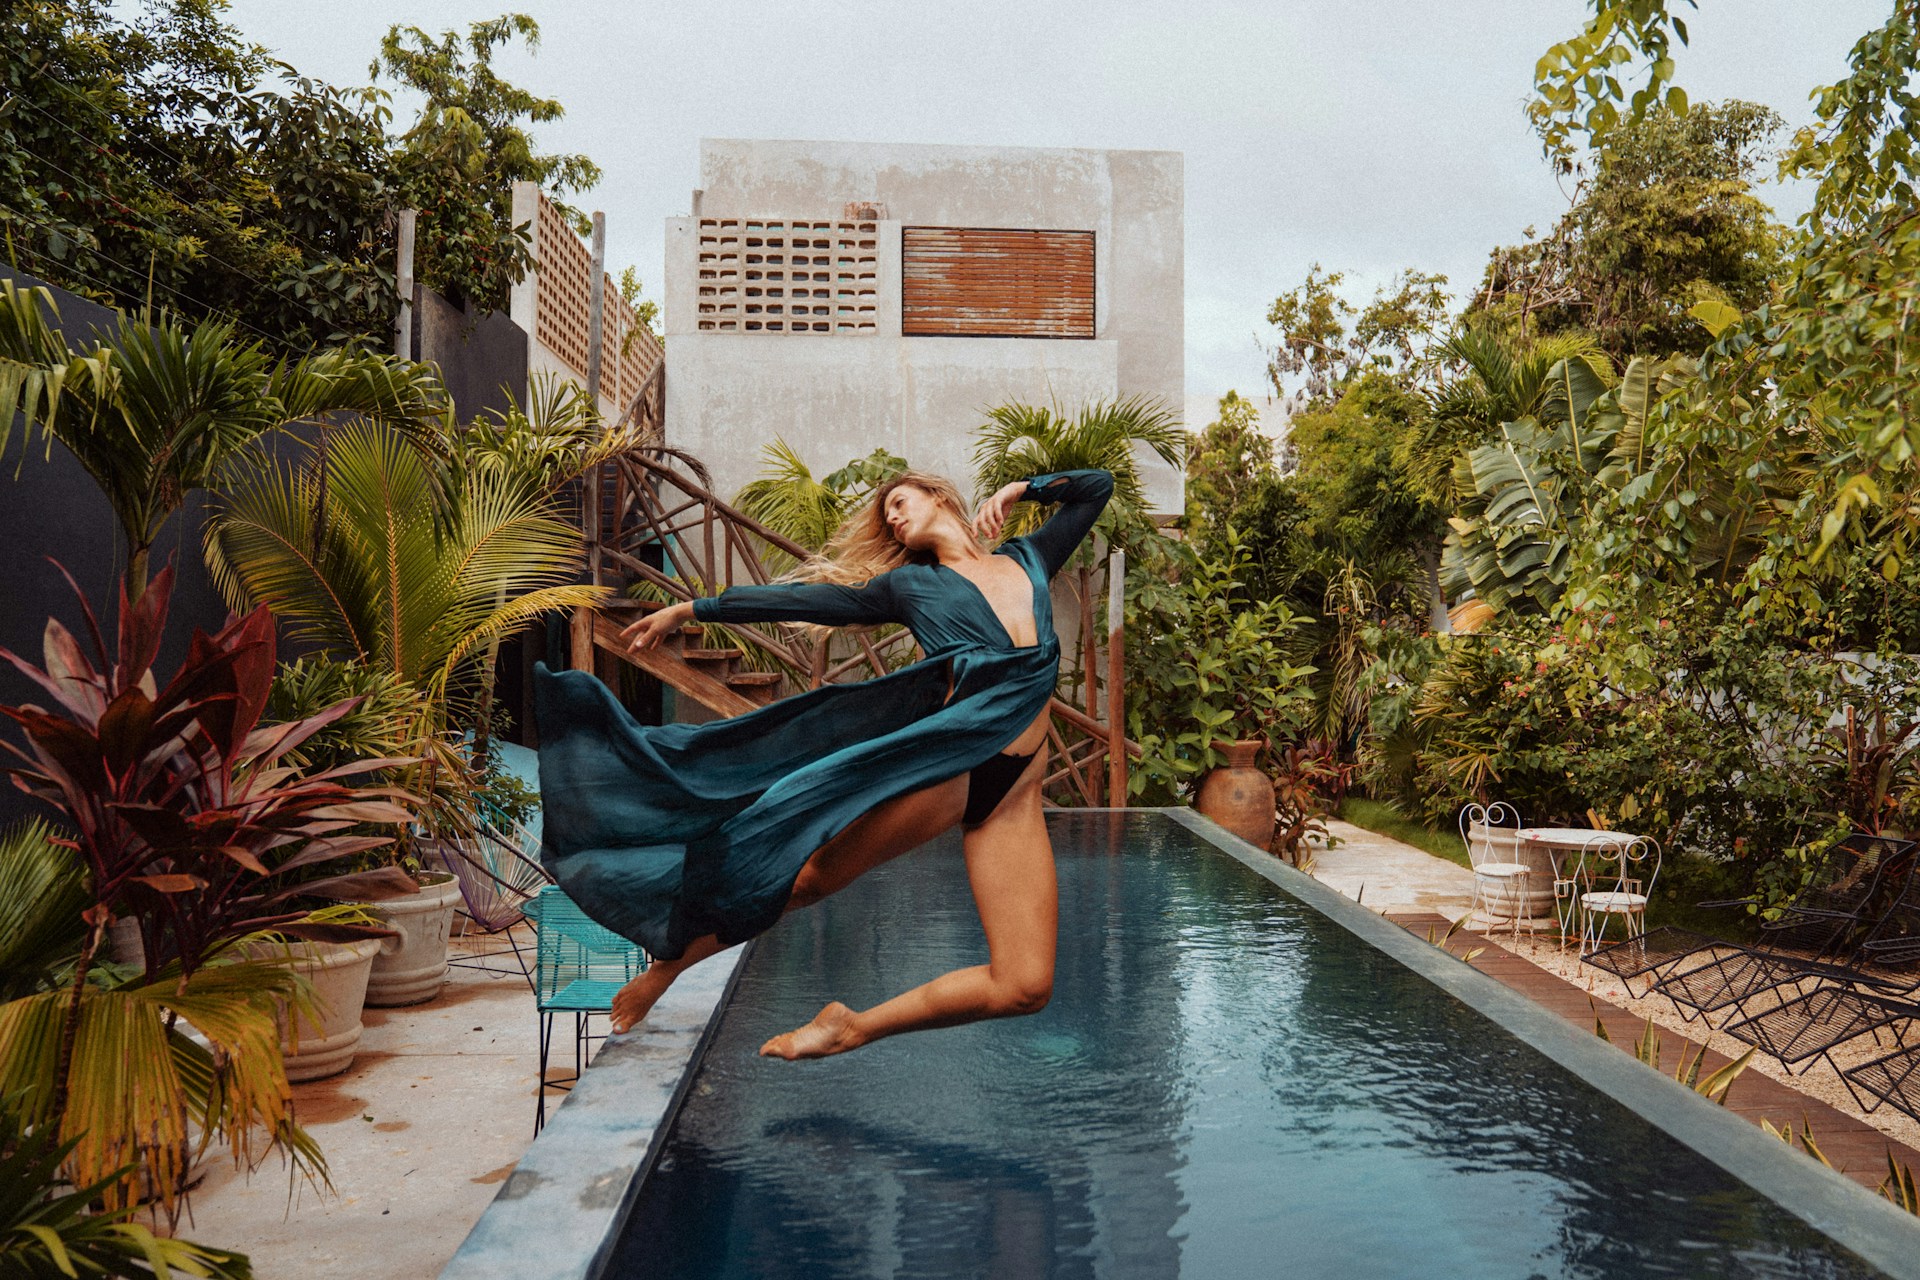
(837, 397)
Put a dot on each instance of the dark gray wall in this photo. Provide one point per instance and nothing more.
(482, 355)
(50, 509)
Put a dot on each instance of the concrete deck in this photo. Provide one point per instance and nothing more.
(1380, 872)
(418, 1133)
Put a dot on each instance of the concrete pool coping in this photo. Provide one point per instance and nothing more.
(562, 1209)
(559, 1212)
(1871, 1226)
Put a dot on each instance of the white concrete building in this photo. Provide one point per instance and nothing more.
(848, 296)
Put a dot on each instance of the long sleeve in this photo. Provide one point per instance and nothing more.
(1082, 496)
(820, 602)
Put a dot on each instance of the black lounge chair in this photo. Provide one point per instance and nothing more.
(1880, 992)
(1820, 917)
(1814, 940)
(1890, 1079)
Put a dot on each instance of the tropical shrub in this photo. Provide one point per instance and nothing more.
(1207, 664)
(187, 819)
(48, 1228)
(1725, 740)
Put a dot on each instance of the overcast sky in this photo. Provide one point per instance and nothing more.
(1366, 135)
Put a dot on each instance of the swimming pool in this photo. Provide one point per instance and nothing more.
(1240, 1074)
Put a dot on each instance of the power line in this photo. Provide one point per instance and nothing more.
(179, 158)
(207, 309)
(158, 226)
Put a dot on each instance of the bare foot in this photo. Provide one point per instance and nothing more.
(633, 1002)
(830, 1032)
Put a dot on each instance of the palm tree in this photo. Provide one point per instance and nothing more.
(375, 555)
(1021, 440)
(790, 501)
(372, 557)
(157, 411)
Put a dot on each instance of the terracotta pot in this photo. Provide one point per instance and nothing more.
(412, 968)
(338, 972)
(1238, 796)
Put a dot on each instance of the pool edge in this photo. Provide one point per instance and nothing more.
(559, 1215)
(1869, 1225)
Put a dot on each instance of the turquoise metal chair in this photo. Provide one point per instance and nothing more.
(578, 966)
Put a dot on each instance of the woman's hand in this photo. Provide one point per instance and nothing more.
(657, 626)
(992, 515)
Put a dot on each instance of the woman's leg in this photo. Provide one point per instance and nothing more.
(1010, 865)
(888, 831)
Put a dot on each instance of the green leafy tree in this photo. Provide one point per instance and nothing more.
(1667, 221)
(1325, 341)
(1229, 457)
(1826, 358)
(471, 143)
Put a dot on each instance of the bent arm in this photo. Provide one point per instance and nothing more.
(1082, 496)
(825, 603)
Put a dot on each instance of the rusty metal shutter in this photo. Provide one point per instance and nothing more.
(984, 282)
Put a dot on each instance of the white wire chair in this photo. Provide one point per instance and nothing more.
(1613, 879)
(1500, 883)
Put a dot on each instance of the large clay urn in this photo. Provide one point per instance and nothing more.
(1238, 796)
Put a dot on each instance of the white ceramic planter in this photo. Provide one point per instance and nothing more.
(412, 968)
(338, 972)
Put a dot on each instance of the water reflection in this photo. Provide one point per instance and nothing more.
(1225, 1084)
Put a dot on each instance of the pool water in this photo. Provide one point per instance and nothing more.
(1226, 1084)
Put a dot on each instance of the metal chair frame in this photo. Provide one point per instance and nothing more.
(1514, 877)
(579, 965)
(495, 888)
(1607, 860)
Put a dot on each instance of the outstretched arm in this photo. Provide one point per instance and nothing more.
(1082, 496)
(825, 603)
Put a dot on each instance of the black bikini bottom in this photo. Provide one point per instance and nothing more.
(989, 783)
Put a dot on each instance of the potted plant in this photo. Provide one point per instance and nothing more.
(187, 818)
(1214, 686)
(402, 567)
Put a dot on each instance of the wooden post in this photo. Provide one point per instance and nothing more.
(596, 306)
(403, 284)
(580, 637)
(1116, 699)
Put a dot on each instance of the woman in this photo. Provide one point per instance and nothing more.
(691, 838)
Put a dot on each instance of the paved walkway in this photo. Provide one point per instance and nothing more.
(1381, 872)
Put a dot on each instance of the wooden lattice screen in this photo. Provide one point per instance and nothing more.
(995, 282)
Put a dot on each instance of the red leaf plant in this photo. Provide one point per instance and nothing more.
(180, 806)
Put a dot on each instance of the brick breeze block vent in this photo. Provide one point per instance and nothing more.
(996, 283)
(787, 276)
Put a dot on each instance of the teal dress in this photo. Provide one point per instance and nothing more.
(667, 833)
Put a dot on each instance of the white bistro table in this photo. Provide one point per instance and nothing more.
(1553, 845)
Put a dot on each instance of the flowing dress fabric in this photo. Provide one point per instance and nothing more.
(667, 833)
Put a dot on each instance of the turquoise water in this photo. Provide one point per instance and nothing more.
(1226, 1084)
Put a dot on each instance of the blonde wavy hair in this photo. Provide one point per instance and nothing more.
(863, 547)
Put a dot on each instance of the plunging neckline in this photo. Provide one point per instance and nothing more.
(1033, 610)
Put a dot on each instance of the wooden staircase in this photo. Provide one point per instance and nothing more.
(713, 677)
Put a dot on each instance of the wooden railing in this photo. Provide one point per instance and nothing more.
(663, 526)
